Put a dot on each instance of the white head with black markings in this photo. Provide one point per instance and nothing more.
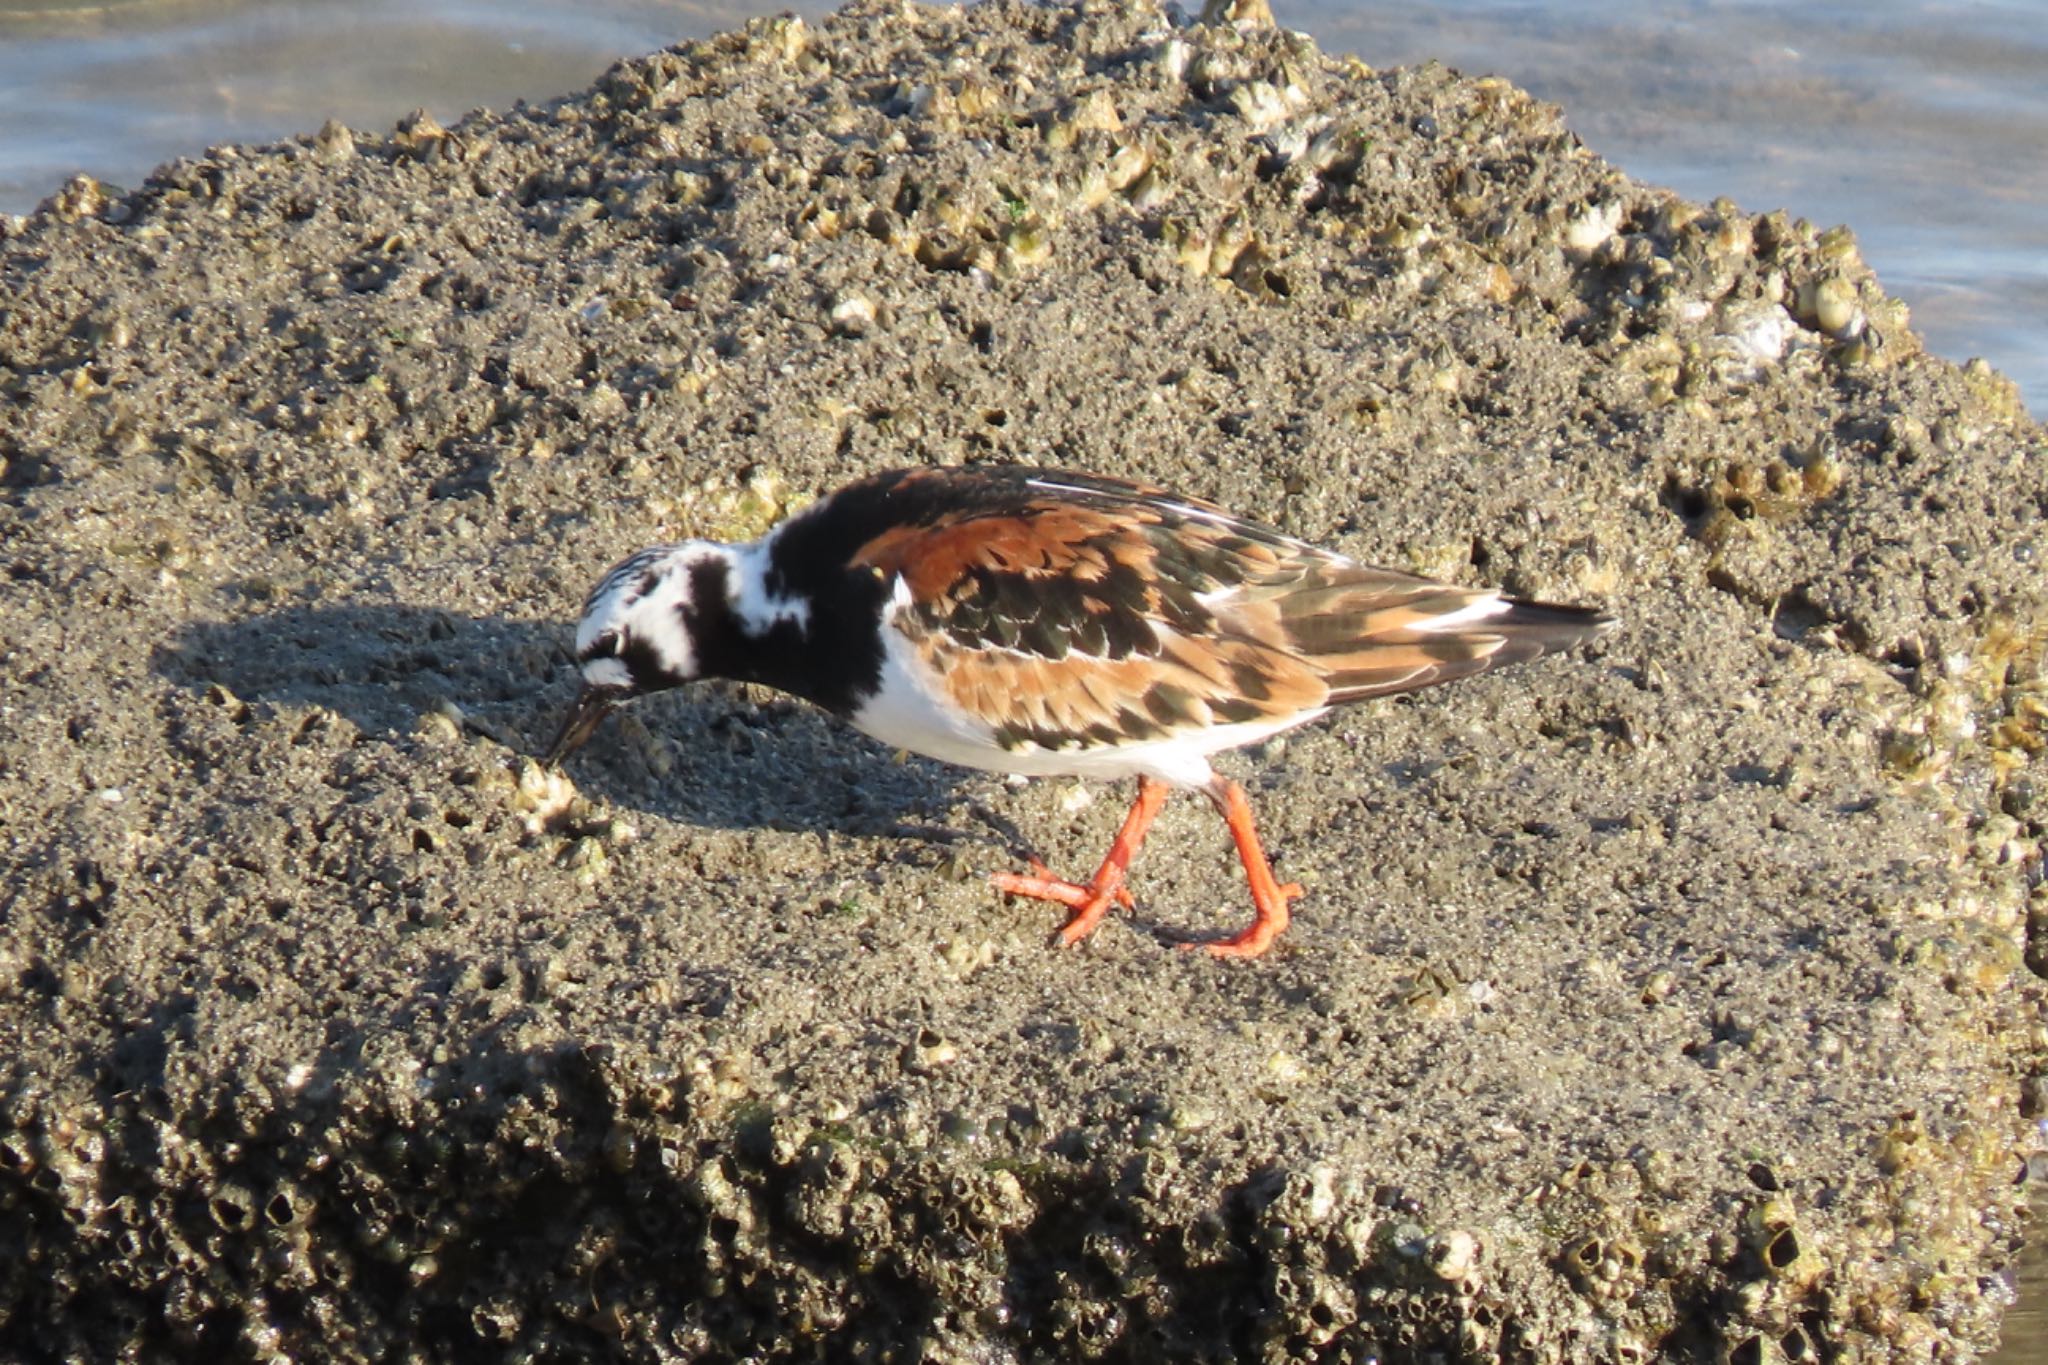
(635, 636)
(669, 615)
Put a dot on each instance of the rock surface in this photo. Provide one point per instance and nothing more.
(1668, 1000)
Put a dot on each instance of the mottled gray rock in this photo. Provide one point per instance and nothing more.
(1666, 1000)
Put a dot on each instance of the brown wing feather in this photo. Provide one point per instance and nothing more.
(1037, 539)
(1084, 701)
(1075, 610)
(1069, 618)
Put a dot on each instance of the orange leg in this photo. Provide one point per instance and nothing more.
(1091, 902)
(1270, 897)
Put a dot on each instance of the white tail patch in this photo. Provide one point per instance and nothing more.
(1480, 609)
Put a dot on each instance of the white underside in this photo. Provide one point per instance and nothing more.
(907, 714)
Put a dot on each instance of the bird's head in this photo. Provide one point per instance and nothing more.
(638, 633)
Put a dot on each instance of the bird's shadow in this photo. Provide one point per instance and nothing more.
(711, 754)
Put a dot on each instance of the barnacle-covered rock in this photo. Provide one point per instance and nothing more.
(335, 1026)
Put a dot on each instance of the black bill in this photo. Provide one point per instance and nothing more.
(593, 704)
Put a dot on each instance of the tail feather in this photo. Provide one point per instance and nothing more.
(1359, 631)
(1541, 628)
(1421, 656)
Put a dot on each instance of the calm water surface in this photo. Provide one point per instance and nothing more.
(1922, 125)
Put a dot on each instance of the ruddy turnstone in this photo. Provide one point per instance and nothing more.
(1046, 622)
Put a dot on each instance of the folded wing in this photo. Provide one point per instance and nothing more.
(1071, 611)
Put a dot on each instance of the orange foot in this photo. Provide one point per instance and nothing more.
(1269, 898)
(1042, 885)
(1258, 936)
(1090, 902)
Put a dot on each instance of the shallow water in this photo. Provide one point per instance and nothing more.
(1923, 125)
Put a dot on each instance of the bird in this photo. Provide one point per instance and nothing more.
(1049, 622)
